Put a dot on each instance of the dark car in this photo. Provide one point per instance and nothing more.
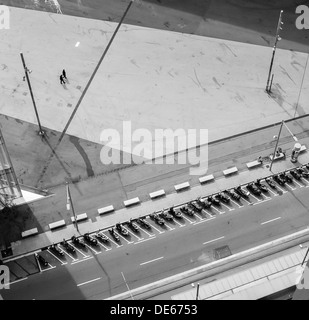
(213, 201)
(41, 260)
(88, 238)
(253, 189)
(55, 249)
(157, 219)
(233, 194)
(285, 177)
(143, 223)
(279, 180)
(261, 186)
(67, 246)
(303, 172)
(242, 192)
(120, 228)
(174, 213)
(271, 182)
(132, 226)
(222, 197)
(186, 210)
(114, 234)
(166, 216)
(102, 237)
(295, 174)
(204, 203)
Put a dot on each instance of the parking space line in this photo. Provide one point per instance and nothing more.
(290, 186)
(135, 235)
(265, 196)
(274, 193)
(63, 263)
(101, 244)
(82, 260)
(149, 234)
(144, 240)
(300, 185)
(50, 267)
(206, 213)
(114, 242)
(180, 224)
(262, 201)
(204, 220)
(186, 218)
(283, 191)
(18, 280)
(85, 255)
(230, 209)
(69, 255)
(248, 202)
(166, 224)
(306, 181)
(237, 203)
(252, 195)
(213, 207)
(270, 220)
(88, 246)
(157, 229)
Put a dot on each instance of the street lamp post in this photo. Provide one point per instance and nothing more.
(268, 85)
(70, 205)
(41, 131)
(197, 290)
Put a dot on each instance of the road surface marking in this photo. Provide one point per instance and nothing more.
(204, 220)
(149, 234)
(213, 207)
(274, 193)
(180, 224)
(101, 244)
(290, 186)
(77, 44)
(123, 237)
(270, 220)
(114, 242)
(166, 224)
(284, 191)
(252, 195)
(70, 255)
(237, 203)
(187, 218)
(261, 201)
(81, 284)
(135, 235)
(125, 281)
(230, 209)
(50, 267)
(81, 260)
(265, 196)
(151, 261)
(85, 255)
(63, 263)
(306, 181)
(300, 185)
(90, 247)
(249, 202)
(17, 281)
(157, 229)
(213, 240)
(144, 240)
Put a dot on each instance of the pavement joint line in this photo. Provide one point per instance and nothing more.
(83, 283)
(151, 261)
(213, 240)
(18, 280)
(144, 240)
(270, 220)
(85, 259)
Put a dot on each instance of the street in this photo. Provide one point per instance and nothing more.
(187, 243)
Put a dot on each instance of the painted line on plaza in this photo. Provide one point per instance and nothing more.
(82, 284)
(151, 261)
(213, 240)
(17, 281)
(270, 220)
(144, 240)
(85, 259)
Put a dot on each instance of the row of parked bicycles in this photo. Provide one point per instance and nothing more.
(257, 188)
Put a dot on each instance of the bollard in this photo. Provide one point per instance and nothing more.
(295, 152)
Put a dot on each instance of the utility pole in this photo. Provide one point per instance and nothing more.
(70, 205)
(197, 290)
(268, 86)
(273, 158)
(41, 131)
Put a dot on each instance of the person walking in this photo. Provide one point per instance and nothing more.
(61, 80)
(64, 74)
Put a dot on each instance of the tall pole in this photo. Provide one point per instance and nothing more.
(41, 132)
(268, 87)
(197, 290)
(305, 257)
(70, 205)
(272, 160)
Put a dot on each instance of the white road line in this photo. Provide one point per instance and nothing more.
(213, 240)
(230, 209)
(248, 202)
(157, 229)
(90, 247)
(151, 261)
(168, 226)
(149, 234)
(284, 191)
(63, 263)
(300, 185)
(261, 201)
(144, 240)
(82, 260)
(205, 220)
(124, 238)
(180, 224)
(81, 284)
(70, 255)
(114, 242)
(265, 196)
(17, 281)
(135, 235)
(274, 193)
(101, 244)
(85, 255)
(270, 220)
(290, 186)
(237, 203)
(213, 207)
(306, 181)
(207, 213)
(50, 267)
(252, 195)
(187, 218)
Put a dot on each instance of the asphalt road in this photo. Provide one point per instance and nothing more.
(170, 252)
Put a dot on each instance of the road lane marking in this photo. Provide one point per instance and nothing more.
(144, 240)
(204, 220)
(82, 260)
(81, 284)
(151, 261)
(270, 220)
(63, 263)
(213, 240)
(17, 281)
